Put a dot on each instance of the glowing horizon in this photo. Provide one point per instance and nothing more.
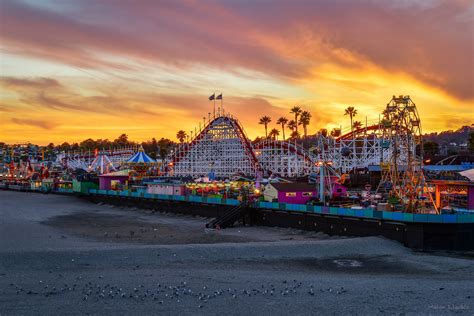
(72, 71)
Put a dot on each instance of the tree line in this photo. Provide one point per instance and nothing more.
(303, 118)
(153, 147)
(162, 147)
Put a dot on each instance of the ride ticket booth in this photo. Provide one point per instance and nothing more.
(456, 194)
(114, 181)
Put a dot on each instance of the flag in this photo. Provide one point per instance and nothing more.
(212, 97)
(219, 97)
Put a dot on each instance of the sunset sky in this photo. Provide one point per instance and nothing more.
(71, 70)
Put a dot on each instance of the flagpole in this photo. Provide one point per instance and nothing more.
(214, 103)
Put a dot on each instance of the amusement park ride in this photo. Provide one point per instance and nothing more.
(222, 149)
(97, 160)
(402, 174)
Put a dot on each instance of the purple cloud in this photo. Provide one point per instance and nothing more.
(430, 41)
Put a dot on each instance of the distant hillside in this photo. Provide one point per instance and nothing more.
(459, 136)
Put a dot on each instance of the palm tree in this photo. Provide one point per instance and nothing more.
(304, 120)
(323, 132)
(296, 110)
(295, 134)
(356, 125)
(265, 120)
(335, 132)
(181, 136)
(274, 133)
(282, 121)
(292, 125)
(351, 111)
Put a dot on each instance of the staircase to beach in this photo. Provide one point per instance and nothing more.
(228, 218)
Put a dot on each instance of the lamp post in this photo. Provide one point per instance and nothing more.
(321, 183)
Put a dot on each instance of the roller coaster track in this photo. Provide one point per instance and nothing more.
(220, 131)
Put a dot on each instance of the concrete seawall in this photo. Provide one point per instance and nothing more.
(421, 236)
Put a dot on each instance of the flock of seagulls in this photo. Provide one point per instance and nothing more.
(100, 290)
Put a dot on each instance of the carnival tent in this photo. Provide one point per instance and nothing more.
(468, 174)
(141, 157)
(101, 164)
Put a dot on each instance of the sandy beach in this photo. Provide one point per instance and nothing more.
(64, 255)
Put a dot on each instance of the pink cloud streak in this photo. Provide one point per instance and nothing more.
(432, 43)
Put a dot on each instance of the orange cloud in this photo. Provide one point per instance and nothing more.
(141, 68)
(283, 40)
(34, 123)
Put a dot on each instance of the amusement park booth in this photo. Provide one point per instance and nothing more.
(64, 185)
(293, 193)
(48, 184)
(114, 180)
(456, 194)
(35, 182)
(168, 188)
(83, 186)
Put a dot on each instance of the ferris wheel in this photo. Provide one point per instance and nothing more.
(402, 175)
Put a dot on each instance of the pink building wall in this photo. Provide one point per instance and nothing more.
(105, 181)
(298, 199)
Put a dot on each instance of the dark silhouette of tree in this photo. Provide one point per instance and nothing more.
(356, 125)
(351, 111)
(282, 121)
(336, 132)
(164, 147)
(296, 110)
(121, 141)
(295, 135)
(88, 144)
(65, 146)
(181, 136)
(274, 133)
(430, 148)
(265, 120)
(292, 125)
(304, 120)
(150, 147)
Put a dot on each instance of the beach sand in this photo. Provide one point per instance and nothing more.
(64, 255)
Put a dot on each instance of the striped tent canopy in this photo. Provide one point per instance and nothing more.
(102, 164)
(141, 157)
